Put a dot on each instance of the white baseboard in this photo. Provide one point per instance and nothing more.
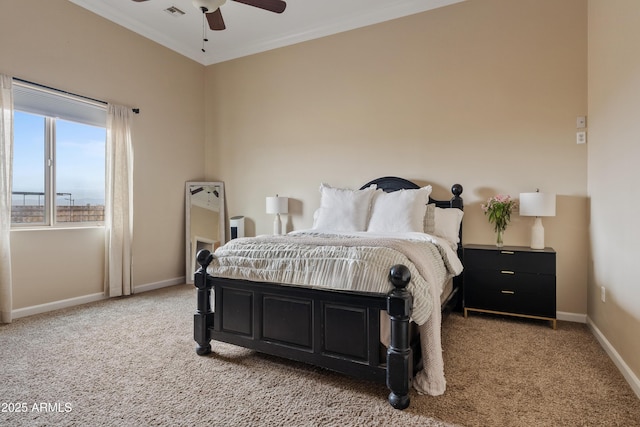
(158, 285)
(571, 317)
(72, 302)
(628, 374)
(56, 305)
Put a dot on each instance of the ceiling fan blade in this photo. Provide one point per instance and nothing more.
(215, 20)
(277, 6)
(139, 0)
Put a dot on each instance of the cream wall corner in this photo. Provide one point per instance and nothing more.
(614, 103)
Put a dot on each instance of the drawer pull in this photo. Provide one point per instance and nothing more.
(507, 272)
(508, 292)
(507, 252)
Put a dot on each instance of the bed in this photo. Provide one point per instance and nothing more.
(375, 322)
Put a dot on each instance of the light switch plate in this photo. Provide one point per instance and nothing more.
(581, 122)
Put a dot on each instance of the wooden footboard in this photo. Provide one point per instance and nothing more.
(331, 329)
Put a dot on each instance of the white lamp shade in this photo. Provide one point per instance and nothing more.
(537, 204)
(277, 205)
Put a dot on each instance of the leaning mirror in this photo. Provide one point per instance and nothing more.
(205, 225)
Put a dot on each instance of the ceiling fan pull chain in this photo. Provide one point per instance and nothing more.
(204, 31)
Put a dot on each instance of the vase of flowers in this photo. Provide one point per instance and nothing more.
(498, 210)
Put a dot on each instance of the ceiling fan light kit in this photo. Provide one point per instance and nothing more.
(207, 6)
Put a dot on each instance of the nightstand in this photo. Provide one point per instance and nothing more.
(512, 280)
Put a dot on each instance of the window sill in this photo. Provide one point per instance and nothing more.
(58, 227)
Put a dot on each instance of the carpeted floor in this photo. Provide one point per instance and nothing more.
(131, 362)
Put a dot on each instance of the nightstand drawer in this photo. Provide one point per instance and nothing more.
(522, 293)
(510, 260)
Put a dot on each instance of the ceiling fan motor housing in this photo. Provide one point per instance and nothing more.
(207, 6)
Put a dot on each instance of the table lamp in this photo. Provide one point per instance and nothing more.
(537, 204)
(277, 205)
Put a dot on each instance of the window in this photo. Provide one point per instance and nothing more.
(58, 160)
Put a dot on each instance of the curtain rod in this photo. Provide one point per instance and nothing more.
(135, 110)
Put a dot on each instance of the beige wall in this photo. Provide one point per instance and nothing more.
(483, 93)
(59, 44)
(614, 126)
(53, 265)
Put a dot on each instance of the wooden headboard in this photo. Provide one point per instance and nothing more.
(393, 183)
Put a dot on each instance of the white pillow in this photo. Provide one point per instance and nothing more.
(342, 209)
(399, 211)
(447, 224)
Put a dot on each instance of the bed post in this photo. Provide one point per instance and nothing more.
(399, 357)
(456, 200)
(203, 318)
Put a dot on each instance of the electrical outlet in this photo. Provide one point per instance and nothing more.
(603, 294)
(581, 137)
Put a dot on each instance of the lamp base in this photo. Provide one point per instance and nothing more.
(537, 234)
(277, 226)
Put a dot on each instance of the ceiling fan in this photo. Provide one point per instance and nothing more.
(211, 9)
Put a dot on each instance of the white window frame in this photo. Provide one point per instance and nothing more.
(52, 104)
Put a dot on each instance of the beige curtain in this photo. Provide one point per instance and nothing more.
(119, 201)
(6, 159)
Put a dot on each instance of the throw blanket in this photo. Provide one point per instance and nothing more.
(356, 263)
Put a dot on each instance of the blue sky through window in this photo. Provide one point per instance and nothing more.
(80, 160)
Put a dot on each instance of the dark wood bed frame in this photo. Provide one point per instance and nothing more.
(337, 330)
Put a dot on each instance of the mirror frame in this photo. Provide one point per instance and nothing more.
(190, 258)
